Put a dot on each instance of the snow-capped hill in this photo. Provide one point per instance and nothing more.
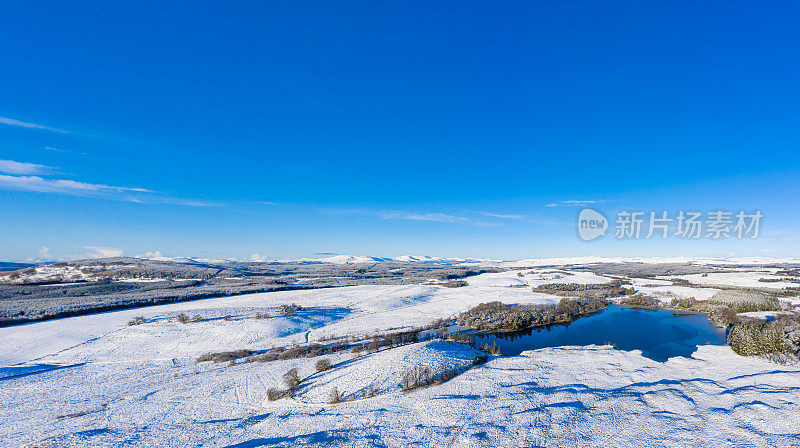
(382, 372)
(352, 259)
(187, 259)
(576, 261)
(417, 259)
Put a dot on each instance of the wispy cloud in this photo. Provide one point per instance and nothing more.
(102, 252)
(13, 167)
(502, 215)
(573, 203)
(411, 216)
(485, 224)
(77, 132)
(40, 184)
(25, 180)
(54, 149)
(435, 217)
(24, 124)
(784, 236)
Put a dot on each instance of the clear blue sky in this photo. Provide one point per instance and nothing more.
(292, 128)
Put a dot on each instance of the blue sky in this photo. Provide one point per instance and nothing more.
(287, 129)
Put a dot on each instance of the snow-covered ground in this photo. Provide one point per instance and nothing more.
(383, 372)
(665, 291)
(536, 277)
(95, 381)
(48, 272)
(747, 279)
(349, 311)
(582, 261)
(767, 315)
(562, 397)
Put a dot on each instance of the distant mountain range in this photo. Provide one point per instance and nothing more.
(336, 259)
(344, 259)
(352, 259)
(11, 266)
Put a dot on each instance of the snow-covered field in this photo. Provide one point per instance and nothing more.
(746, 279)
(535, 277)
(348, 311)
(95, 381)
(665, 291)
(766, 315)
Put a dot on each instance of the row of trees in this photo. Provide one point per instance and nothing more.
(497, 316)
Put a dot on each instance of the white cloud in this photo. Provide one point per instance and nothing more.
(77, 188)
(486, 224)
(14, 167)
(435, 217)
(503, 216)
(573, 203)
(51, 148)
(258, 257)
(23, 124)
(102, 252)
(44, 253)
(36, 183)
(409, 216)
(153, 254)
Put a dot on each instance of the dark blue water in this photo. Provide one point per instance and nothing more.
(659, 334)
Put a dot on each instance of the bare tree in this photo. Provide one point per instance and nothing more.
(291, 379)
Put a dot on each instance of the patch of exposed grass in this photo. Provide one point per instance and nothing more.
(218, 357)
(288, 310)
(185, 319)
(454, 284)
(137, 321)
